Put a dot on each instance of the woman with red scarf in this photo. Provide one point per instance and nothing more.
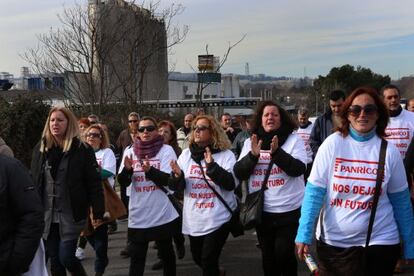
(152, 217)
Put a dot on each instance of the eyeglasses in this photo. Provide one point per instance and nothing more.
(148, 128)
(93, 122)
(200, 128)
(94, 135)
(132, 121)
(369, 109)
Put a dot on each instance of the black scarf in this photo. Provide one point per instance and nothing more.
(395, 113)
(305, 125)
(266, 137)
(186, 130)
(197, 152)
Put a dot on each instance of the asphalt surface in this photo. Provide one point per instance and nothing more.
(239, 257)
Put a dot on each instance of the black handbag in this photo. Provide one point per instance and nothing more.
(178, 205)
(252, 208)
(352, 260)
(236, 228)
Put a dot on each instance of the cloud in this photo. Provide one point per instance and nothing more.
(282, 36)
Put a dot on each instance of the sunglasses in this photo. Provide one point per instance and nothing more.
(148, 128)
(94, 135)
(369, 109)
(200, 128)
(93, 122)
(132, 121)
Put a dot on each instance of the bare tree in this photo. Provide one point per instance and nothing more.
(203, 85)
(105, 49)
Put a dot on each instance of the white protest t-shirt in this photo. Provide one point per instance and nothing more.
(128, 189)
(149, 206)
(348, 170)
(400, 131)
(106, 160)
(203, 212)
(284, 193)
(305, 133)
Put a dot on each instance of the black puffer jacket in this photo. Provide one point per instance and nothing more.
(21, 217)
(320, 131)
(83, 180)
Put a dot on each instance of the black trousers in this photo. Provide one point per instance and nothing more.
(206, 249)
(379, 259)
(138, 252)
(276, 236)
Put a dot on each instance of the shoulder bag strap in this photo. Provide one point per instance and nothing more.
(380, 177)
(214, 190)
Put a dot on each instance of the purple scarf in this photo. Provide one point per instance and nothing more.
(148, 148)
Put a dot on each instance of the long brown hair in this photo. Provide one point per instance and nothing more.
(286, 121)
(383, 116)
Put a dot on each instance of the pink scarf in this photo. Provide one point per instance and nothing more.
(148, 148)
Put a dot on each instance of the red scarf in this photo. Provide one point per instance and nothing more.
(148, 148)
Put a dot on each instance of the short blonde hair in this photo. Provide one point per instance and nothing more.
(104, 136)
(72, 131)
(219, 139)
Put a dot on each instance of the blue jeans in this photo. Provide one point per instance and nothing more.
(99, 242)
(62, 253)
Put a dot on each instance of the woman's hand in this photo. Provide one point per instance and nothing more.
(175, 168)
(128, 162)
(256, 145)
(274, 145)
(301, 249)
(208, 156)
(145, 164)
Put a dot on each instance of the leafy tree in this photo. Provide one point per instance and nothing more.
(348, 78)
(21, 125)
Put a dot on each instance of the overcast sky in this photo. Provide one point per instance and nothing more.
(283, 36)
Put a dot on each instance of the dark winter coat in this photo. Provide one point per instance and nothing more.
(83, 181)
(21, 217)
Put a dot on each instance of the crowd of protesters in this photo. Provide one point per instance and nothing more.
(324, 172)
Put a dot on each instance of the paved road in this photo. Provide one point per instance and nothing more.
(239, 257)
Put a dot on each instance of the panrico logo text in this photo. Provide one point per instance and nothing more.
(397, 133)
(355, 169)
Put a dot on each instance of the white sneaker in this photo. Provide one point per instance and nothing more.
(80, 254)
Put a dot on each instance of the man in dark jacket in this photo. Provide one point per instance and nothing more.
(22, 217)
(326, 124)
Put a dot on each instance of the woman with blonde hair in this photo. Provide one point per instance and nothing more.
(65, 171)
(206, 165)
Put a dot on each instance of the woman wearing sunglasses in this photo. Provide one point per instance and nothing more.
(152, 217)
(343, 180)
(275, 150)
(205, 218)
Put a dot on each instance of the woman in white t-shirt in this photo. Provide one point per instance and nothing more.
(205, 217)
(343, 180)
(98, 139)
(152, 217)
(273, 141)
